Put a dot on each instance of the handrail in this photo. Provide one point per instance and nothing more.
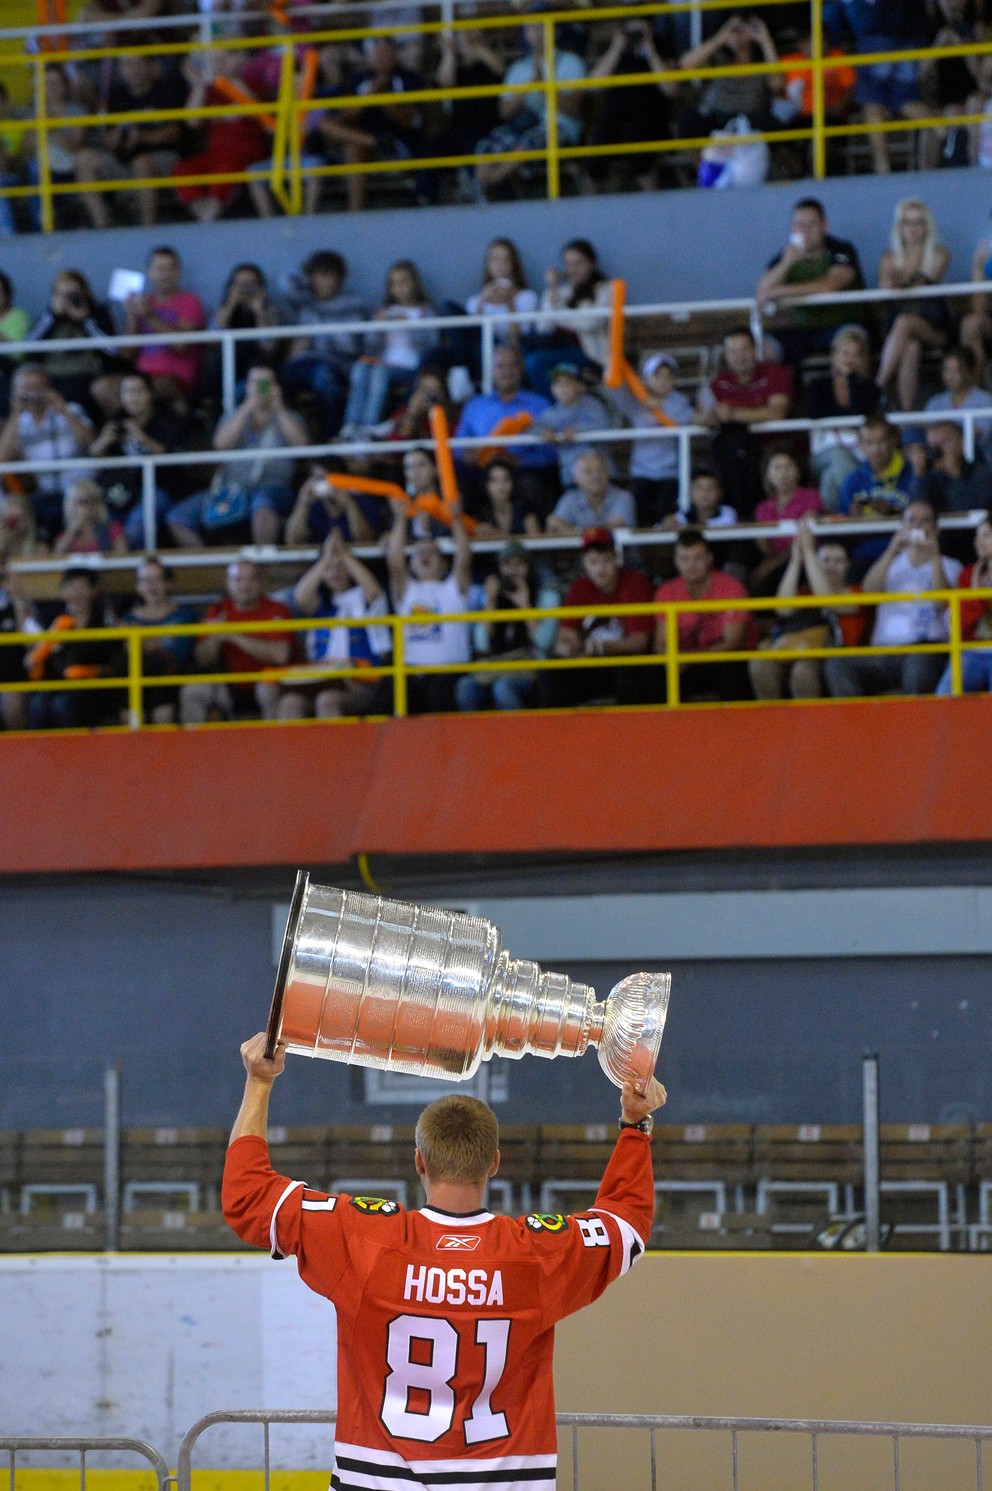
(291, 173)
(671, 658)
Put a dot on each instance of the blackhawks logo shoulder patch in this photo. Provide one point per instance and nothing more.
(543, 1221)
(375, 1206)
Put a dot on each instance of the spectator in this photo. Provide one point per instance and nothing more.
(975, 331)
(948, 82)
(581, 284)
(825, 565)
(144, 426)
(602, 581)
(884, 90)
(654, 464)
(915, 257)
(11, 148)
(949, 482)
(813, 262)
(396, 128)
(53, 658)
(796, 105)
(481, 415)
(573, 411)
(241, 652)
(413, 421)
(958, 375)
(740, 42)
(390, 360)
(320, 364)
(516, 585)
(16, 615)
(593, 502)
(468, 60)
(420, 484)
(14, 324)
(321, 509)
(980, 141)
(744, 394)
(164, 308)
(504, 290)
(160, 656)
(880, 486)
(41, 426)
(246, 305)
(706, 632)
(87, 526)
(786, 500)
(524, 115)
(847, 389)
(19, 528)
(63, 143)
(88, 377)
(505, 511)
(326, 130)
(707, 508)
(912, 562)
(255, 493)
(428, 588)
(976, 619)
(137, 151)
(232, 142)
(338, 585)
(636, 114)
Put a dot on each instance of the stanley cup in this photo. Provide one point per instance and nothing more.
(382, 983)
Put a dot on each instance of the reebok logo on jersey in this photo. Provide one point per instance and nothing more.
(457, 1242)
(542, 1221)
(375, 1205)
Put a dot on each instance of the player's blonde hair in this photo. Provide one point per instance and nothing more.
(458, 1137)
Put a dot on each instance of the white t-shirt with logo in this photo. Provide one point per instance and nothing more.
(432, 641)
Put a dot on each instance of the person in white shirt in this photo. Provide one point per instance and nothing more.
(911, 563)
(43, 427)
(429, 588)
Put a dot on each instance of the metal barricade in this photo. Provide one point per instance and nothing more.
(15, 1445)
(571, 1425)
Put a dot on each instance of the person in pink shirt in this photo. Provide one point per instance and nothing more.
(781, 475)
(164, 307)
(711, 632)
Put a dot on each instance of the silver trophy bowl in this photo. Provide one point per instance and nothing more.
(381, 983)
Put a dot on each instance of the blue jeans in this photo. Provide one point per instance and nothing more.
(323, 381)
(976, 674)
(474, 692)
(369, 387)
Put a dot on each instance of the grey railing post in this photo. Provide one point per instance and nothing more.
(112, 1157)
(869, 1092)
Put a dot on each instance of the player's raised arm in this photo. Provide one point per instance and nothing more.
(262, 1072)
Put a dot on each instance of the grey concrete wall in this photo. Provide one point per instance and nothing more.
(169, 980)
(669, 245)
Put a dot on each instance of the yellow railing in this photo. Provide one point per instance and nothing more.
(288, 174)
(671, 658)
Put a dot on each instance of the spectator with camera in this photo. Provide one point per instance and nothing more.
(43, 426)
(73, 314)
(251, 496)
(641, 112)
(945, 478)
(247, 305)
(812, 262)
(144, 426)
(322, 508)
(911, 562)
(87, 525)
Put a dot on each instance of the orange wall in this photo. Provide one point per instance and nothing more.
(888, 772)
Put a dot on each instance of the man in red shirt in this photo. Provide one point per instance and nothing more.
(744, 395)
(446, 1315)
(706, 631)
(243, 652)
(603, 579)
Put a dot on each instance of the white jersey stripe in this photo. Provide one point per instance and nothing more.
(351, 1480)
(273, 1241)
(426, 1467)
(633, 1246)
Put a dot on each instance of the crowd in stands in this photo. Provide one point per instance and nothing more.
(477, 130)
(565, 480)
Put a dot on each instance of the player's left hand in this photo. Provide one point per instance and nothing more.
(634, 1105)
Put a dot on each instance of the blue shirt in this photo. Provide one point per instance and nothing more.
(888, 493)
(481, 415)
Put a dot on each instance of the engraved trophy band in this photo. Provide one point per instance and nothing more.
(382, 983)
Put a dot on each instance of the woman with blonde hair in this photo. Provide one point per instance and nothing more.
(915, 257)
(19, 528)
(89, 528)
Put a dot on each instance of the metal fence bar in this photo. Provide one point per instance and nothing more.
(15, 1444)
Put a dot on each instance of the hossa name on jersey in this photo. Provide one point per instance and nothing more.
(453, 1286)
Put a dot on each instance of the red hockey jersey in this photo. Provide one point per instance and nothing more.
(445, 1322)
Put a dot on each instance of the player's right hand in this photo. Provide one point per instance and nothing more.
(258, 1066)
(634, 1105)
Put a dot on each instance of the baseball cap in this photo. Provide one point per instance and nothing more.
(600, 537)
(562, 369)
(659, 360)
